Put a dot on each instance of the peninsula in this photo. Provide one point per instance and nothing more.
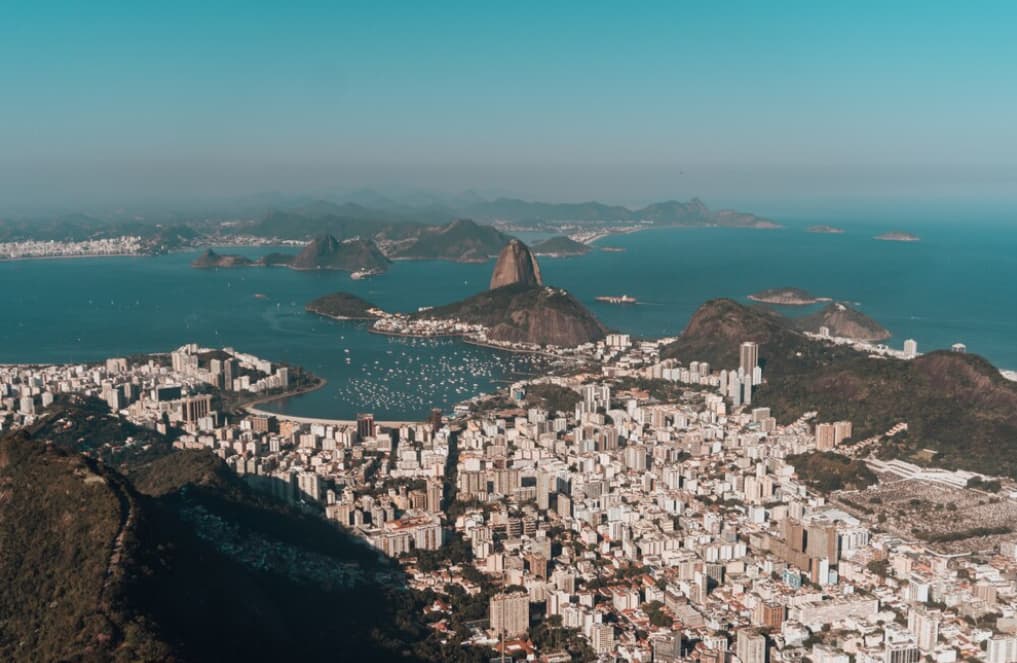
(560, 247)
(344, 306)
(518, 312)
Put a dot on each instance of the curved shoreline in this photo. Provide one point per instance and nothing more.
(322, 383)
(465, 338)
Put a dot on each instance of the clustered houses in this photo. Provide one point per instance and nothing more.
(157, 391)
(127, 245)
(656, 529)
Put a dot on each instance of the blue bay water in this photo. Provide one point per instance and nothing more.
(954, 285)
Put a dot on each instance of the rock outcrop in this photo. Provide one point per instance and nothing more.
(845, 322)
(516, 265)
(520, 313)
(211, 260)
(326, 252)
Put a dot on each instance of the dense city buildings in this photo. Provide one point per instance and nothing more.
(642, 510)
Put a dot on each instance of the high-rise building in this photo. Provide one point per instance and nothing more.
(769, 615)
(924, 624)
(596, 395)
(602, 638)
(667, 648)
(434, 495)
(910, 348)
(546, 483)
(1001, 649)
(195, 407)
(900, 651)
(841, 431)
(748, 358)
(825, 437)
(751, 646)
(365, 425)
(510, 614)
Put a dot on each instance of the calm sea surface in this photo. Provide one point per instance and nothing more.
(957, 284)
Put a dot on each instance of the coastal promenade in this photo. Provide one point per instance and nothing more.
(325, 422)
(466, 338)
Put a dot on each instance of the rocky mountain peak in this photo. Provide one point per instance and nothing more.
(516, 265)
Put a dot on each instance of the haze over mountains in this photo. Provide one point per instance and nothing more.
(360, 213)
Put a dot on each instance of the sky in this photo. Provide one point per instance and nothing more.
(626, 102)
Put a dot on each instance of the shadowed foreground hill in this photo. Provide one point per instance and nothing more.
(526, 314)
(180, 560)
(957, 404)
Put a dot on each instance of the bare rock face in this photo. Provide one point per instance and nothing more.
(520, 313)
(516, 265)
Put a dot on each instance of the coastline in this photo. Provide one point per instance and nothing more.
(321, 383)
(75, 257)
(340, 318)
(466, 338)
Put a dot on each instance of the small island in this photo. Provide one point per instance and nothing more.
(344, 306)
(785, 297)
(898, 236)
(212, 260)
(361, 257)
(560, 247)
(350, 255)
(829, 230)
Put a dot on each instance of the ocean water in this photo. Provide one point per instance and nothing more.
(956, 285)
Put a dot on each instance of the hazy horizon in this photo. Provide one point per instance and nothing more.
(749, 105)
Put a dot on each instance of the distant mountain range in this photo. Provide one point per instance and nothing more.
(461, 240)
(364, 213)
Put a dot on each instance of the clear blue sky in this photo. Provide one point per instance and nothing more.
(542, 98)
